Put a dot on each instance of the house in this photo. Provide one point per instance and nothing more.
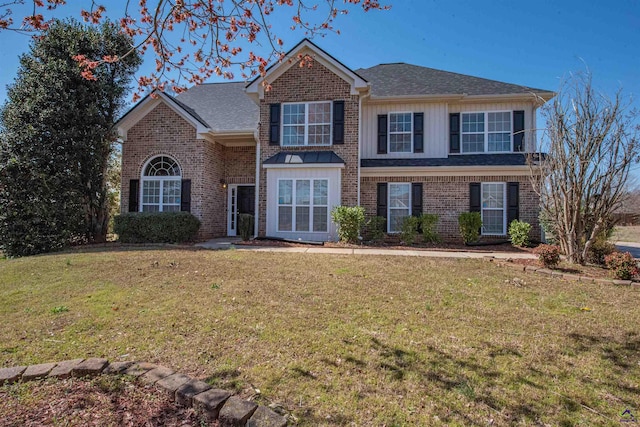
(397, 139)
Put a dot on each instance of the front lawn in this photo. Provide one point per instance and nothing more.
(340, 340)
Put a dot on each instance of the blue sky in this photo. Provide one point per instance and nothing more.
(531, 43)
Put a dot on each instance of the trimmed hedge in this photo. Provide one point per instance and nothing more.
(156, 227)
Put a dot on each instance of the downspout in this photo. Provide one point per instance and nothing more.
(256, 220)
(359, 142)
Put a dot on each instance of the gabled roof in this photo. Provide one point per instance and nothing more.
(224, 106)
(400, 79)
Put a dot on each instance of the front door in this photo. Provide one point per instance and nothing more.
(241, 201)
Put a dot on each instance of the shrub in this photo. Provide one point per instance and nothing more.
(622, 265)
(375, 228)
(156, 227)
(599, 250)
(549, 255)
(409, 229)
(428, 223)
(245, 226)
(519, 233)
(470, 223)
(349, 221)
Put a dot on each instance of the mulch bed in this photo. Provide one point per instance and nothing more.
(102, 401)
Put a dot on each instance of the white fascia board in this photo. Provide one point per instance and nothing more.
(304, 166)
(147, 105)
(397, 171)
(358, 84)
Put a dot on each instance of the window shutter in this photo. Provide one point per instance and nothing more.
(338, 122)
(382, 134)
(518, 131)
(418, 132)
(382, 201)
(454, 133)
(474, 197)
(274, 124)
(513, 202)
(134, 195)
(185, 195)
(416, 199)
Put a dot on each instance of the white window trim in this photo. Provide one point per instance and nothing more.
(410, 113)
(486, 132)
(293, 205)
(389, 208)
(144, 178)
(306, 124)
(504, 209)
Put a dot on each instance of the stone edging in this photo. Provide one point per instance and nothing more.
(215, 404)
(559, 274)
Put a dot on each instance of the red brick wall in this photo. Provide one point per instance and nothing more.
(448, 196)
(303, 84)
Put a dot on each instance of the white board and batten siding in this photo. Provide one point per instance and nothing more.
(332, 174)
(436, 125)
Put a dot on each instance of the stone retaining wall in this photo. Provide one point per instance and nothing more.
(216, 405)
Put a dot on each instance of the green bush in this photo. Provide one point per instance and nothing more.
(519, 233)
(245, 226)
(156, 227)
(549, 255)
(375, 228)
(622, 265)
(349, 221)
(470, 223)
(599, 249)
(428, 224)
(409, 229)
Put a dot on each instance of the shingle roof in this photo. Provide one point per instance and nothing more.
(515, 159)
(222, 106)
(402, 79)
(304, 157)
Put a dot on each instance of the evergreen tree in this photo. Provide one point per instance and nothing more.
(56, 136)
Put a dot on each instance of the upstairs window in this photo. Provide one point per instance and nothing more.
(400, 132)
(307, 123)
(161, 185)
(486, 132)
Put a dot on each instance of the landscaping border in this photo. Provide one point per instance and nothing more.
(559, 274)
(216, 405)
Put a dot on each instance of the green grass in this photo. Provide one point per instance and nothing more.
(340, 340)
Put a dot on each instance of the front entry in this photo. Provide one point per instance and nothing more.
(242, 200)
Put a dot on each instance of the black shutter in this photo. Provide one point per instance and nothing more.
(513, 202)
(134, 195)
(416, 199)
(382, 200)
(185, 198)
(338, 122)
(382, 134)
(474, 197)
(418, 132)
(274, 124)
(518, 131)
(454, 133)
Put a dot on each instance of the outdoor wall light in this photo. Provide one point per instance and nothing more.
(223, 183)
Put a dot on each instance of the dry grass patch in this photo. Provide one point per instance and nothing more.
(629, 233)
(340, 340)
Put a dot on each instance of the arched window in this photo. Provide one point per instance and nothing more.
(161, 180)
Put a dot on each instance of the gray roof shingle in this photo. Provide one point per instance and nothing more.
(304, 157)
(515, 159)
(222, 106)
(402, 79)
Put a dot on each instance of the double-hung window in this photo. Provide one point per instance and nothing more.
(399, 205)
(493, 208)
(161, 185)
(307, 123)
(303, 205)
(400, 132)
(486, 132)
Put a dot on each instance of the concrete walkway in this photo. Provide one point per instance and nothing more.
(231, 243)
